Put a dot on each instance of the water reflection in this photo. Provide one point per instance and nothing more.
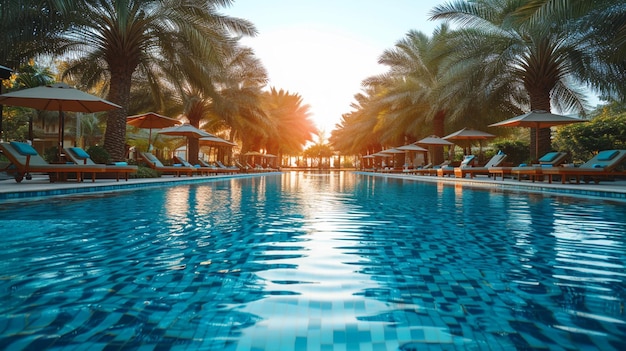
(317, 259)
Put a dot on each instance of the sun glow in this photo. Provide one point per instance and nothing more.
(325, 67)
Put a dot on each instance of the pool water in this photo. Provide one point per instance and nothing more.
(313, 261)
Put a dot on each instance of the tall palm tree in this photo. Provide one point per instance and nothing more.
(415, 100)
(497, 52)
(114, 39)
(409, 88)
(356, 133)
(27, 28)
(603, 23)
(294, 127)
(237, 108)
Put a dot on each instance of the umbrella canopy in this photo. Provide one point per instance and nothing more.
(186, 130)
(537, 119)
(465, 136)
(412, 147)
(393, 151)
(57, 97)
(468, 134)
(151, 120)
(253, 153)
(434, 140)
(215, 140)
(381, 154)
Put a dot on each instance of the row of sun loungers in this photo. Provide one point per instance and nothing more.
(183, 167)
(551, 167)
(25, 160)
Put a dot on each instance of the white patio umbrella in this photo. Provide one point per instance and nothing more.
(186, 130)
(537, 119)
(151, 120)
(466, 136)
(433, 140)
(410, 149)
(57, 97)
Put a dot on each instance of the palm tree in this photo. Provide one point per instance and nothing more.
(293, 125)
(414, 101)
(356, 133)
(603, 23)
(237, 109)
(408, 106)
(115, 39)
(27, 29)
(541, 62)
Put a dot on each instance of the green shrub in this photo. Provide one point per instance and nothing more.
(51, 154)
(98, 154)
(145, 172)
(583, 140)
(517, 151)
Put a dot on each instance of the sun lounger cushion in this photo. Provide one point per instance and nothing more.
(467, 160)
(151, 157)
(549, 157)
(120, 163)
(607, 155)
(595, 165)
(80, 153)
(23, 148)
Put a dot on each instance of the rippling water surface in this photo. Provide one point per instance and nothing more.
(309, 261)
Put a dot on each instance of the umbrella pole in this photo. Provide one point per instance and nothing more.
(61, 134)
(149, 139)
(536, 144)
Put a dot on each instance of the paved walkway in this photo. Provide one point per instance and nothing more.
(605, 189)
(39, 187)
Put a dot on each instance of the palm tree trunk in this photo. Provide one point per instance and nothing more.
(439, 130)
(119, 93)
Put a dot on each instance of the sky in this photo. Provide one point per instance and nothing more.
(323, 49)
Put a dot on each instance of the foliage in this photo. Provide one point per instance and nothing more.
(51, 154)
(15, 123)
(516, 151)
(165, 42)
(582, 140)
(98, 154)
(145, 172)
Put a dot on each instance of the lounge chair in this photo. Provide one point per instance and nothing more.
(26, 160)
(422, 170)
(81, 157)
(602, 165)
(154, 163)
(468, 160)
(200, 168)
(227, 169)
(242, 168)
(495, 161)
(533, 172)
(256, 168)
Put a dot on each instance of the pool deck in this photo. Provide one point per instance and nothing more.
(39, 187)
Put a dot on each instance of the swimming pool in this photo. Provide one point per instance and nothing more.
(308, 261)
